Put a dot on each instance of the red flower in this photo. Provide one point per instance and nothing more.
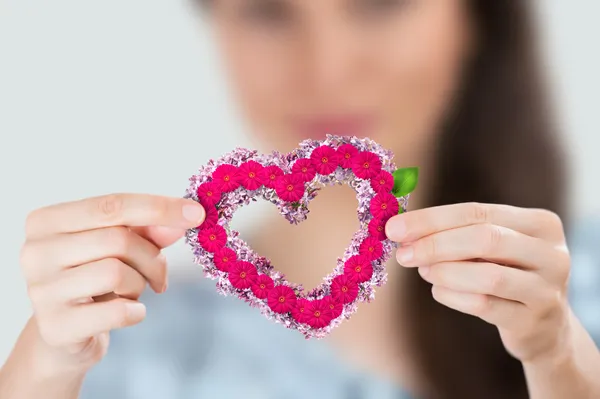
(209, 194)
(371, 248)
(281, 299)
(212, 238)
(383, 182)
(211, 218)
(299, 311)
(359, 267)
(224, 258)
(384, 206)
(262, 286)
(249, 175)
(318, 314)
(344, 288)
(305, 168)
(335, 306)
(226, 176)
(377, 229)
(242, 275)
(366, 165)
(269, 175)
(290, 187)
(325, 159)
(346, 154)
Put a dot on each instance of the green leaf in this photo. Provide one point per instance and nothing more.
(405, 181)
(400, 211)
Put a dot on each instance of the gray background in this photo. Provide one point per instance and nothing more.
(127, 96)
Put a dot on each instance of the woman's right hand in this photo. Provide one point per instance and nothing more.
(86, 264)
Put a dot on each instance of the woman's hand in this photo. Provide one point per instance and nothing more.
(86, 264)
(508, 266)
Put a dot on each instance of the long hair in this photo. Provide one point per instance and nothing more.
(497, 146)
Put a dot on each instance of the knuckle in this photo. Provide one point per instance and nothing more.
(496, 281)
(481, 305)
(36, 294)
(492, 237)
(120, 239)
(552, 219)
(478, 213)
(431, 247)
(31, 222)
(110, 206)
(113, 272)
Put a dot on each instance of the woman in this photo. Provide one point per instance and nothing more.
(451, 86)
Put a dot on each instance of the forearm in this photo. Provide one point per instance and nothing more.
(30, 374)
(574, 373)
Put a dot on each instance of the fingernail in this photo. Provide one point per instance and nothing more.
(194, 213)
(395, 229)
(135, 311)
(405, 255)
(423, 271)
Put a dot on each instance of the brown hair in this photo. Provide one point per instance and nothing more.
(498, 146)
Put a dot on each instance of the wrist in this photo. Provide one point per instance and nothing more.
(34, 369)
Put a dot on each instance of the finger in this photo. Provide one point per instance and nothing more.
(93, 279)
(492, 243)
(43, 258)
(489, 279)
(114, 210)
(161, 236)
(79, 323)
(411, 226)
(500, 312)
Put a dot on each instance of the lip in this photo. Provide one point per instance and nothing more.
(347, 125)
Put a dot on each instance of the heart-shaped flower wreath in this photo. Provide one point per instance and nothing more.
(290, 182)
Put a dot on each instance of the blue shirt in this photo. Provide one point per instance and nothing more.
(195, 344)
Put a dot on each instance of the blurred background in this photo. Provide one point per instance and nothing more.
(114, 96)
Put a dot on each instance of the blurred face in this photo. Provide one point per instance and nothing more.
(385, 69)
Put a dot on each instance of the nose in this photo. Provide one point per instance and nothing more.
(332, 59)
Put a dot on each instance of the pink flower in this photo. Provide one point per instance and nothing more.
(262, 286)
(249, 175)
(212, 238)
(211, 218)
(299, 311)
(209, 193)
(377, 229)
(269, 175)
(325, 159)
(305, 168)
(346, 154)
(359, 267)
(242, 275)
(383, 182)
(371, 248)
(226, 176)
(224, 258)
(281, 299)
(366, 165)
(336, 307)
(383, 206)
(290, 188)
(344, 288)
(318, 314)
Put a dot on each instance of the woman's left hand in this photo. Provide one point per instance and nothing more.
(506, 265)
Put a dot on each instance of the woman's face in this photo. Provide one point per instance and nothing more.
(385, 69)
